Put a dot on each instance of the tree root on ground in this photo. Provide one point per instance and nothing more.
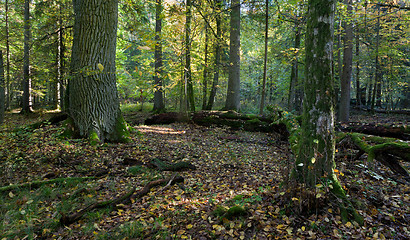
(161, 165)
(125, 198)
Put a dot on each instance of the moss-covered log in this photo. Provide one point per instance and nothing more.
(388, 151)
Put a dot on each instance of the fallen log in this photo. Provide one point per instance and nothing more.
(236, 121)
(387, 151)
(399, 132)
(131, 194)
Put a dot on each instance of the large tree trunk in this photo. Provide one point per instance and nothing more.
(159, 104)
(315, 159)
(318, 114)
(359, 99)
(26, 100)
(2, 95)
(188, 73)
(265, 59)
(218, 44)
(233, 92)
(93, 98)
(345, 80)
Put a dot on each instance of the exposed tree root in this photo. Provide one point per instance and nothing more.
(131, 194)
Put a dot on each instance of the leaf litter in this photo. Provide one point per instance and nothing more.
(234, 170)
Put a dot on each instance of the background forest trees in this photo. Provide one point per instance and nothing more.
(379, 70)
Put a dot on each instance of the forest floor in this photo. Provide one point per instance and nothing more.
(233, 168)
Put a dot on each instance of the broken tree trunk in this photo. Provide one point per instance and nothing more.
(387, 151)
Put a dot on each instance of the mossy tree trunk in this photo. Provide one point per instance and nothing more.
(92, 93)
(315, 159)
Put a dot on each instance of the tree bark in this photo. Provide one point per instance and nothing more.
(93, 98)
(233, 92)
(2, 94)
(159, 104)
(265, 59)
(26, 100)
(345, 80)
(218, 44)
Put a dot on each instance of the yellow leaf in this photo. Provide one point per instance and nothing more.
(100, 66)
(348, 224)
(189, 226)
(313, 160)
(184, 237)
(303, 228)
(140, 73)
(11, 194)
(294, 199)
(178, 198)
(180, 232)
(318, 195)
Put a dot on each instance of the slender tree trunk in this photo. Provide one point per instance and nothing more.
(61, 65)
(2, 93)
(265, 60)
(294, 101)
(205, 82)
(93, 98)
(188, 72)
(26, 100)
(345, 80)
(159, 104)
(376, 83)
(358, 89)
(7, 84)
(339, 58)
(233, 92)
(218, 44)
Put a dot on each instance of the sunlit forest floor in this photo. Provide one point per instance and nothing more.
(233, 168)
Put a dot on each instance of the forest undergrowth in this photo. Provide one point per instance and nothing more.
(235, 192)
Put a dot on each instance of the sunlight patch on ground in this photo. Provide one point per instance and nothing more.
(161, 130)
